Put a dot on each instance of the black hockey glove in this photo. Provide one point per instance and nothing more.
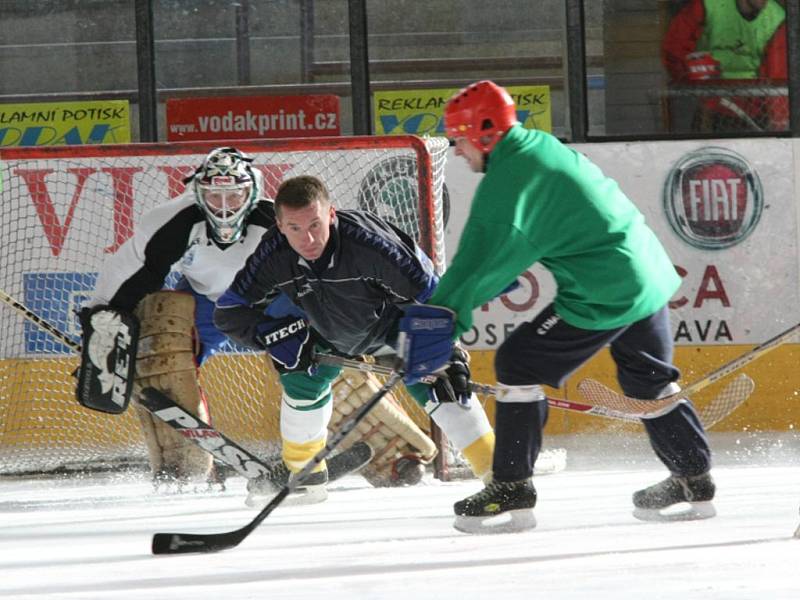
(288, 341)
(453, 385)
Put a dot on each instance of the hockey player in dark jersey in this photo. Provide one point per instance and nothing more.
(350, 273)
(540, 201)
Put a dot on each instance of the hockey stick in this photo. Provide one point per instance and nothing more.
(182, 543)
(737, 110)
(166, 409)
(37, 320)
(481, 388)
(597, 394)
(729, 399)
(719, 408)
(192, 428)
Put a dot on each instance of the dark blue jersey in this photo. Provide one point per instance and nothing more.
(352, 295)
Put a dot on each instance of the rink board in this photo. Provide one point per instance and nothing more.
(774, 406)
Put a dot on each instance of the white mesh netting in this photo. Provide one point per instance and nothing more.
(63, 209)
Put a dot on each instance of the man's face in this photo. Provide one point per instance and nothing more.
(471, 154)
(224, 202)
(307, 229)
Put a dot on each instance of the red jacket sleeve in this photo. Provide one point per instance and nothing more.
(774, 67)
(774, 64)
(684, 30)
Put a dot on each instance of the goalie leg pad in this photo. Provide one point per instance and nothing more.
(401, 447)
(166, 362)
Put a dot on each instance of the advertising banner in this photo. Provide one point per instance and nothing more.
(419, 112)
(724, 210)
(65, 123)
(251, 117)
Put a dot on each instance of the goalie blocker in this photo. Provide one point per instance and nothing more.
(108, 359)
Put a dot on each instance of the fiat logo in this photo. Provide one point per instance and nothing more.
(713, 198)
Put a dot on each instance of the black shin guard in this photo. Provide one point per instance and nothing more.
(518, 433)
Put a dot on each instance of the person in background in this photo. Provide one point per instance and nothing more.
(743, 40)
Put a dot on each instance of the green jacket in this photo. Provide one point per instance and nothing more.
(541, 201)
(738, 44)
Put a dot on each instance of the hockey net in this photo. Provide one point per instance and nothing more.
(63, 210)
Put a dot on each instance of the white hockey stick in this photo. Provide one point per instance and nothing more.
(480, 388)
(719, 408)
(723, 404)
(597, 394)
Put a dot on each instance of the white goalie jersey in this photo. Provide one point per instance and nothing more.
(175, 236)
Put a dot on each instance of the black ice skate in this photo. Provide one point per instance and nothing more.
(502, 507)
(690, 496)
(261, 489)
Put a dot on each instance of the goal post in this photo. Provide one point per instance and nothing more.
(64, 209)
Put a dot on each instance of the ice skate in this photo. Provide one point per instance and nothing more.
(348, 461)
(676, 499)
(501, 507)
(313, 490)
(550, 461)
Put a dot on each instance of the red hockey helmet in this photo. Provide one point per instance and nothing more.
(482, 112)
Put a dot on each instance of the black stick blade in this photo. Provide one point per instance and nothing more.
(187, 543)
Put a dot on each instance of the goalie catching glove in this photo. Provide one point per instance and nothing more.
(108, 358)
(288, 341)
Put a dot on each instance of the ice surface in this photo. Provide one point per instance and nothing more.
(90, 538)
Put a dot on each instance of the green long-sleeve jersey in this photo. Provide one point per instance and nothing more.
(541, 201)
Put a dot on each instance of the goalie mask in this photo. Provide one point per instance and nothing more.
(226, 188)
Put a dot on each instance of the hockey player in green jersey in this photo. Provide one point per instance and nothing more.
(541, 201)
